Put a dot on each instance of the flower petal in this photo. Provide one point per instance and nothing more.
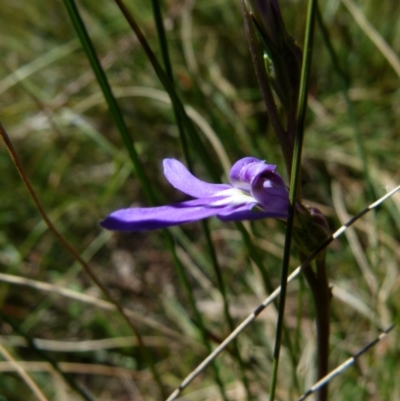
(151, 218)
(236, 173)
(179, 176)
(244, 171)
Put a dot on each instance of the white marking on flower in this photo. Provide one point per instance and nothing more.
(234, 197)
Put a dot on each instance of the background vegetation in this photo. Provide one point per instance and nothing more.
(53, 109)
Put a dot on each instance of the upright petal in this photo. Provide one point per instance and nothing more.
(179, 177)
(236, 173)
(245, 170)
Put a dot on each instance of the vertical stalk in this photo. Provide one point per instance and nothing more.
(294, 184)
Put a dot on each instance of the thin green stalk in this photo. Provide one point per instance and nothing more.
(345, 84)
(295, 180)
(68, 378)
(162, 38)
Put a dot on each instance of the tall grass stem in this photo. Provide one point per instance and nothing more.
(294, 184)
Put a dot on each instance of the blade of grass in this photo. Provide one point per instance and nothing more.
(95, 302)
(43, 61)
(256, 258)
(222, 289)
(373, 35)
(210, 246)
(108, 95)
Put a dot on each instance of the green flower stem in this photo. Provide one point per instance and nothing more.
(269, 289)
(294, 185)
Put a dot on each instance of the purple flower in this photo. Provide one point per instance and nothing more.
(257, 191)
